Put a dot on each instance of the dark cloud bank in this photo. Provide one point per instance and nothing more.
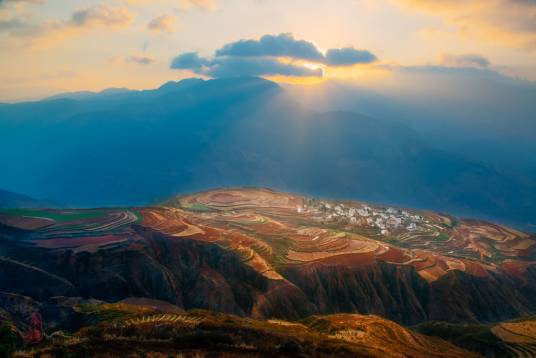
(263, 58)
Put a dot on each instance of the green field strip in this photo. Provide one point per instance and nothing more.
(60, 217)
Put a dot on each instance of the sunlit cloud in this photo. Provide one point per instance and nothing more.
(164, 23)
(181, 4)
(56, 31)
(464, 60)
(140, 60)
(199, 4)
(2, 2)
(11, 23)
(510, 22)
(15, 15)
(101, 15)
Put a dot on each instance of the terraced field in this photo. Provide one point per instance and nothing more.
(271, 256)
(274, 227)
(80, 230)
(268, 229)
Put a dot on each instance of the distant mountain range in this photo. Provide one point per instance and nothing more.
(88, 94)
(14, 200)
(137, 147)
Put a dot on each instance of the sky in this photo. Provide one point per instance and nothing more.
(53, 46)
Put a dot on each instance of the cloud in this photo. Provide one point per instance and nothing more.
(464, 60)
(348, 56)
(22, 1)
(199, 4)
(235, 66)
(184, 5)
(164, 23)
(240, 66)
(81, 21)
(11, 24)
(286, 46)
(101, 15)
(271, 55)
(141, 60)
(189, 61)
(510, 22)
(283, 45)
(14, 17)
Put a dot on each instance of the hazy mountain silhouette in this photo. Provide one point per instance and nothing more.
(137, 147)
(14, 200)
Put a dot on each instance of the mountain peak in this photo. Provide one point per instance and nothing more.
(244, 80)
(182, 84)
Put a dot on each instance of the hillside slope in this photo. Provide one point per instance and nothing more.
(265, 254)
(515, 338)
(116, 330)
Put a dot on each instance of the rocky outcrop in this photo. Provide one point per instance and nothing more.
(400, 294)
(461, 297)
(392, 291)
(186, 273)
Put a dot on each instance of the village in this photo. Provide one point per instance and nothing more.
(385, 220)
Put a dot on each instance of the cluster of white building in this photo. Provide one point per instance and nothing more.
(383, 219)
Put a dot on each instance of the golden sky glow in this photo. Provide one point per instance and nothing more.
(51, 46)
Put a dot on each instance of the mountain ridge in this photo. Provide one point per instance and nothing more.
(239, 131)
(10, 199)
